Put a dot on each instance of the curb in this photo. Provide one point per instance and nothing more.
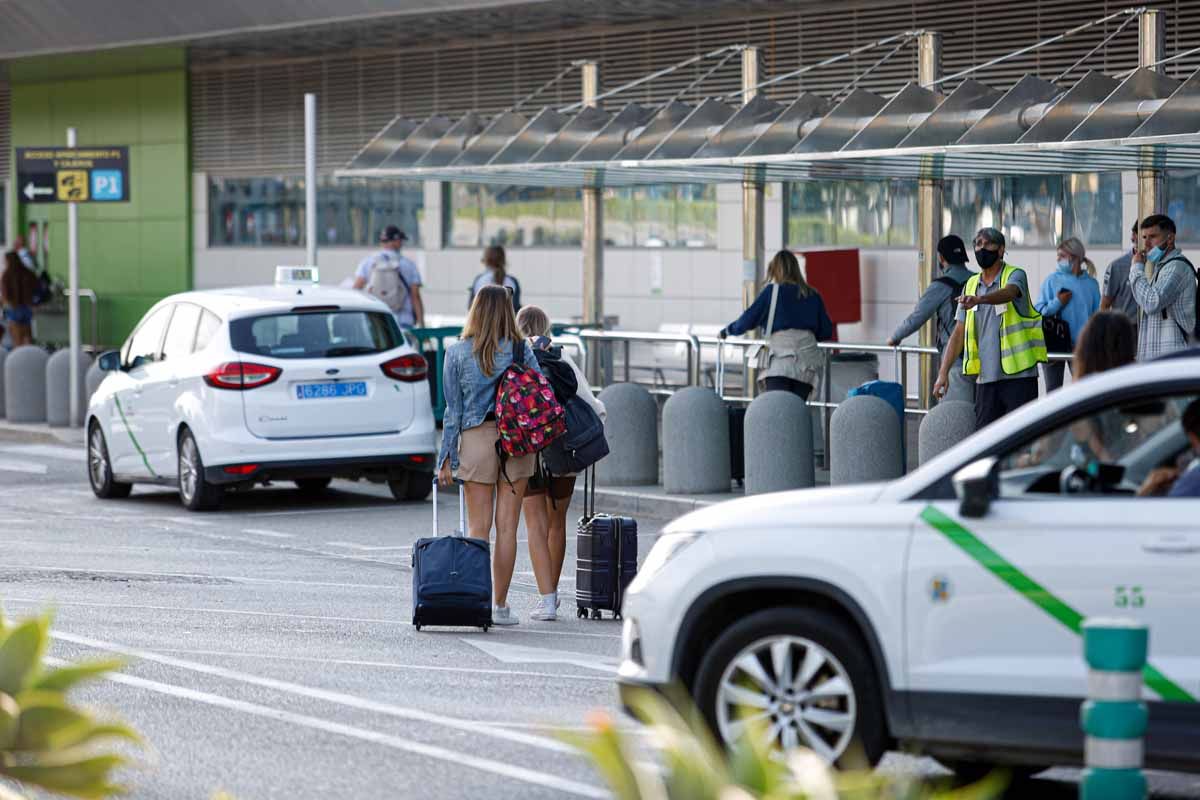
(643, 504)
(39, 433)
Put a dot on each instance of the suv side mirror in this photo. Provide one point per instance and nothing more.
(110, 361)
(977, 485)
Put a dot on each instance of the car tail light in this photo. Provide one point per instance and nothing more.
(240, 375)
(240, 469)
(410, 368)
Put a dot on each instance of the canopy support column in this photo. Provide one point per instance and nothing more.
(929, 215)
(593, 221)
(1151, 47)
(754, 235)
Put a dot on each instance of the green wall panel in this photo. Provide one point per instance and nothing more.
(131, 254)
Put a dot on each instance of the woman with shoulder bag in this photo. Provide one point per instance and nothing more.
(793, 318)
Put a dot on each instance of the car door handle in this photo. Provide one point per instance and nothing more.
(1171, 544)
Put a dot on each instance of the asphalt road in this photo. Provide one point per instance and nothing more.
(271, 654)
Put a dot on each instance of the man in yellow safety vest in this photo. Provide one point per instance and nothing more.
(1000, 331)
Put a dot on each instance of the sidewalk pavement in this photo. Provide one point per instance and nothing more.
(40, 433)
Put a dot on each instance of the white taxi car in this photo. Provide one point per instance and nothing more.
(231, 388)
(942, 611)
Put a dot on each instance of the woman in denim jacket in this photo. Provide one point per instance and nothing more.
(469, 378)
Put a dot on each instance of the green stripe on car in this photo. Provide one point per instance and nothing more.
(133, 438)
(1037, 594)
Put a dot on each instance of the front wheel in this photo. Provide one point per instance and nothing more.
(798, 677)
(100, 473)
(195, 492)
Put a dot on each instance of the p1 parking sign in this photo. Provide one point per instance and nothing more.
(73, 174)
(107, 184)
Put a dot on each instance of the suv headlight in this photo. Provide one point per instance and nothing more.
(668, 546)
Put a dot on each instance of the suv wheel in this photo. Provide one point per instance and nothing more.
(412, 486)
(798, 676)
(100, 473)
(195, 492)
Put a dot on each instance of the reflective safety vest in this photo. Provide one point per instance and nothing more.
(1022, 345)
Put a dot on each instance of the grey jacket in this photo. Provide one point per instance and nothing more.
(936, 301)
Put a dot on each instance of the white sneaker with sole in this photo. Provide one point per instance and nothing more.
(503, 615)
(546, 609)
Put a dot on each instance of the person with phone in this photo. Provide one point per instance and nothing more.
(1163, 283)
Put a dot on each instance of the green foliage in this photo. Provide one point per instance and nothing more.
(46, 741)
(693, 765)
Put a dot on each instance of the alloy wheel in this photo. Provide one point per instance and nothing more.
(188, 471)
(791, 690)
(97, 458)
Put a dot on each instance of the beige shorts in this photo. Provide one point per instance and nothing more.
(478, 461)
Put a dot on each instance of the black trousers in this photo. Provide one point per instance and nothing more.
(994, 400)
(777, 384)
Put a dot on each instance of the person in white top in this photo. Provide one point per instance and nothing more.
(398, 282)
(548, 497)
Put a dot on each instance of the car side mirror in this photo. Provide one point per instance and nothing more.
(110, 361)
(977, 485)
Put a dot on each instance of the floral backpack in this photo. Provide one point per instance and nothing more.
(528, 415)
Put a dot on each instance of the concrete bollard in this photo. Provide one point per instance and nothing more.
(25, 384)
(95, 376)
(864, 442)
(779, 444)
(1114, 717)
(631, 427)
(3, 356)
(695, 443)
(58, 389)
(946, 424)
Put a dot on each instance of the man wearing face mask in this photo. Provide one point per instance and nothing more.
(999, 333)
(1118, 296)
(1165, 293)
(938, 302)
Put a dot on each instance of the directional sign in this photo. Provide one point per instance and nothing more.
(73, 174)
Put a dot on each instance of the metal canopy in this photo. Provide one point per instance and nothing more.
(1098, 124)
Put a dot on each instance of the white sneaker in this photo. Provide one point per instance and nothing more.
(546, 609)
(503, 615)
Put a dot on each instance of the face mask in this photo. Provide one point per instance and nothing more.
(986, 258)
(1154, 255)
(1065, 267)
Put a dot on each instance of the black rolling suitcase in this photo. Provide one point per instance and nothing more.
(606, 556)
(737, 423)
(452, 575)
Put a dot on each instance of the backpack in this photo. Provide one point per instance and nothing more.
(582, 445)
(1194, 334)
(956, 290)
(558, 372)
(386, 283)
(528, 415)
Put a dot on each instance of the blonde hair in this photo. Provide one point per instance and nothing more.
(533, 321)
(785, 268)
(1075, 248)
(489, 323)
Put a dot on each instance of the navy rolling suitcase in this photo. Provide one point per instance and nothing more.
(606, 557)
(452, 575)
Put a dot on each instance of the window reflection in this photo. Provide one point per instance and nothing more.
(1033, 210)
(1093, 205)
(643, 216)
(269, 212)
(1183, 202)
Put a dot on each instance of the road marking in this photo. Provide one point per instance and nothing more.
(77, 455)
(457, 758)
(340, 510)
(186, 521)
(27, 467)
(536, 631)
(325, 695)
(387, 587)
(367, 548)
(273, 534)
(383, 665)
(521, 654)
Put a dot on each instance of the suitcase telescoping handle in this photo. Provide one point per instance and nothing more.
(462, 508)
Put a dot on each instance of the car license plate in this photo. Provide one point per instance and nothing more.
(317, 391)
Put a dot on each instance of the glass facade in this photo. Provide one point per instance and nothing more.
(1183, 193)
(528, 216)
(269, 212)
(1032, 211)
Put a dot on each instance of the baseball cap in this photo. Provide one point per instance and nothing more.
(393, 234)
(952, 249)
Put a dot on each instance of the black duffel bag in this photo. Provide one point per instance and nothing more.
(1057, 334)
(581, 446)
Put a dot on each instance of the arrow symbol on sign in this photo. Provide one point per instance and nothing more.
(520, 654)
(32, 191)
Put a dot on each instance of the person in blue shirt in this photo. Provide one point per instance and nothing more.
(793, 318)
(1071, 293)
(1174, 482)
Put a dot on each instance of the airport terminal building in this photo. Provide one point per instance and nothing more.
(209, 99)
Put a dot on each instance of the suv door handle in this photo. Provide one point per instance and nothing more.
(1171, 543)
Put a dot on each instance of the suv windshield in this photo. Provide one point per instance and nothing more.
(316, 334)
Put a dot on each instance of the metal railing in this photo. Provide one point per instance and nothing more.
(90, 295)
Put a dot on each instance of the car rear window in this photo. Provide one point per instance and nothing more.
(316, 334)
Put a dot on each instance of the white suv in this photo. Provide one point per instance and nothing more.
(237, 387)
(941, 611)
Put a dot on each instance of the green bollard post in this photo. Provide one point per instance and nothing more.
(1114, 717)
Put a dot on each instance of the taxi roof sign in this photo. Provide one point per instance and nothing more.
(296, 276)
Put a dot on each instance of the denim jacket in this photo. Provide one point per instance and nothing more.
(471, 395)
